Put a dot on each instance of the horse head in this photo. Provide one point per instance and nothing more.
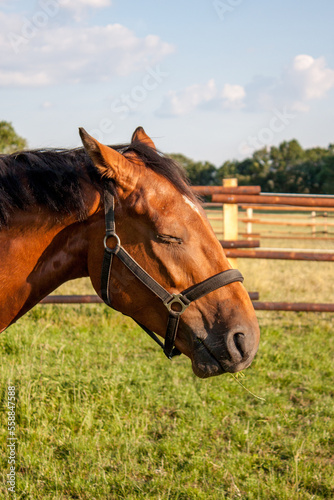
(165, 230)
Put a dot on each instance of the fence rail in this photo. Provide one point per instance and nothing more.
(254, 296)
(285, 236)
(280, 254)
(95, 299)
(286, 223)
(210, 190)
(72, 299)
(293, 306)
(266, 199)
(284, 208)
(239, 243)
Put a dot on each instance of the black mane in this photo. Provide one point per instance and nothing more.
(53, 179)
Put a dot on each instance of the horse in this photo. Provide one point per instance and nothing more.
(124, 216)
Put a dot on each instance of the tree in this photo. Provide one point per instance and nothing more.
(328, 175)
(228, 169)
(286, 168)
(10, 141)
(251, 171)
(199, 173)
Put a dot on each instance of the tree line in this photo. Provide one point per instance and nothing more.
(287, 168)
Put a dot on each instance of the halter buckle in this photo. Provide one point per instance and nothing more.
(179, 301)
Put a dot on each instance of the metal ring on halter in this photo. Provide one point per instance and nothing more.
(178, 299)
(116, 247)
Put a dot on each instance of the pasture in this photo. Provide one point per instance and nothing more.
(101, 413)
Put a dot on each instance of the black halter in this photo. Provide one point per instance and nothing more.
(176, 304)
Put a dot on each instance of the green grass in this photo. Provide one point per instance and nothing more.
(102, 414)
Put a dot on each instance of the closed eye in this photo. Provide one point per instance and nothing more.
(166, 238)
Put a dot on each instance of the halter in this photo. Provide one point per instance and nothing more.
(177, 303)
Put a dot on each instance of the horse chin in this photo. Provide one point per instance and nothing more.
(206, 370)
(204, 364)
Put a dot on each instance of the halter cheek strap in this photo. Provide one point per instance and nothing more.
(176, 304)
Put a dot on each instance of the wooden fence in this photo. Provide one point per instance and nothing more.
(314, 212)
(320, 212)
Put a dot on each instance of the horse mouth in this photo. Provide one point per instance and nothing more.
(204, 362)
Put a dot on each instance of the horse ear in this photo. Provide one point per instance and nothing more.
(140, 135)
(109, 162)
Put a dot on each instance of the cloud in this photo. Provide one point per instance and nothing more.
(184, 101)
(304, 80)
(73, 4)
(202, 96)
(35, 55)
(46, 105)
(311, 77)
(79, 7)
(233, 96)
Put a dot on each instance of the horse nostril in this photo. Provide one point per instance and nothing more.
(239, 341)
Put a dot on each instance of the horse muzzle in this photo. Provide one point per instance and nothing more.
(231, 351)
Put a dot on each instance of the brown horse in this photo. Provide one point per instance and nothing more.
(53, 226)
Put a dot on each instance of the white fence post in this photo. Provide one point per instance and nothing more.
(249, 225)
(313, 216)
(231, 219)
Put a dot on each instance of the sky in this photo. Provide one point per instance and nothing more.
(214, 80)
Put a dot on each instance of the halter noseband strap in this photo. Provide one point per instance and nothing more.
(176, 304)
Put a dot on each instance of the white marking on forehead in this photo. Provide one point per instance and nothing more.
(192, 205)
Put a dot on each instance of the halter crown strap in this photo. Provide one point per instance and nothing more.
(176, 304)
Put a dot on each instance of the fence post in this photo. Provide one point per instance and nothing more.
(313, 216)
(249, 225)
(231, 218)
(325, 215)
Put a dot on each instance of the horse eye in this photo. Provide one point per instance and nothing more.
(166, 238)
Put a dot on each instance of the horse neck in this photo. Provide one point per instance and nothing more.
(35, 261)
